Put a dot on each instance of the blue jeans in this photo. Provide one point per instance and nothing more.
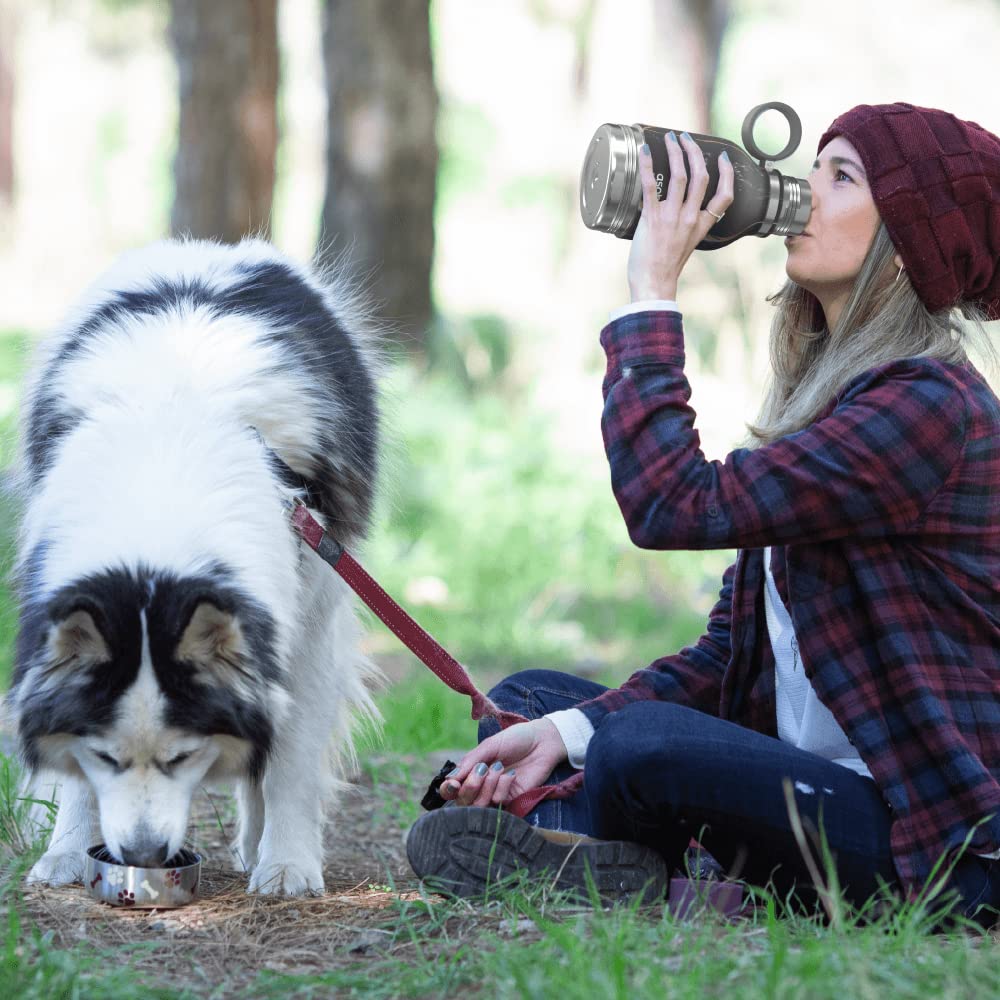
(659, 774)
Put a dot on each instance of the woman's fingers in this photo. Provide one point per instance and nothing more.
(488, 787)
(528, 746)
(501, 794)
(491, 749)
(646, 177)
(698, 185)
(449, 788)
(465, 779)
(684, 196)
(484, 786)
(678, 176)
(470, 786)
(723, 196)
(477, 789)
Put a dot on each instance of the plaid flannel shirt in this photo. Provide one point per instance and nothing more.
(885, 517)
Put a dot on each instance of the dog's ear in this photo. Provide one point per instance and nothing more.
(212, 641)
(75, 640)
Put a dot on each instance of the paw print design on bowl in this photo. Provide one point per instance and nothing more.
(173, 877)
(116, 877)
(126, 898)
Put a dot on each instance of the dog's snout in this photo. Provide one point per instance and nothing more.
(144, 854)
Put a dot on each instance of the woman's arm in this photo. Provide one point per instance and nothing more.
(870, 467)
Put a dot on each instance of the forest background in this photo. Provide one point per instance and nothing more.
(440, 145)
(435, 149)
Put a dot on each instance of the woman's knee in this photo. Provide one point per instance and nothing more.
(517, 687)
(515, 693)
(634, 773)
(640, 736)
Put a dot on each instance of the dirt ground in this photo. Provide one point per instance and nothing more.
(228, 935)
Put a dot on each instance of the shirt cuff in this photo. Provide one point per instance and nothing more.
(647, 337)
(663, 305)
(575, 729)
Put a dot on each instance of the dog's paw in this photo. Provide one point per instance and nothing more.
(58, 869)
(276, 879)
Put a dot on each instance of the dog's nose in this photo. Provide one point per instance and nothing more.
(145, 855)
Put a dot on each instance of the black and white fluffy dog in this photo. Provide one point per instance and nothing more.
(173, 630)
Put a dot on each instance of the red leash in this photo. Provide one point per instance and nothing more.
(422, 644)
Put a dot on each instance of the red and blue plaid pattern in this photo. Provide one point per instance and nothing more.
(884, 515)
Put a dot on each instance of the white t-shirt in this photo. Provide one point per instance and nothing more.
(803, 720)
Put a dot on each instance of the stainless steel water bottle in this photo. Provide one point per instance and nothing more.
(765, 202)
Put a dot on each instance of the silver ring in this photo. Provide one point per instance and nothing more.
(710, 212)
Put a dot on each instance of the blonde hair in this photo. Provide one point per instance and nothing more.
(883, 321)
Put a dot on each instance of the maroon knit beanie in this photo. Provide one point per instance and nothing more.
(936, 183)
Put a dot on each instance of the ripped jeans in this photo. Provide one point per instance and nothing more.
(659, 774)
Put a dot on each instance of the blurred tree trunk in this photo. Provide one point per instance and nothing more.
(8, 53)
(692, 30)
(382, 154)
(227, 63)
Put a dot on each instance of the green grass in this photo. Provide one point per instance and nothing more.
(526, 946)
(529, 944)
(32, 969)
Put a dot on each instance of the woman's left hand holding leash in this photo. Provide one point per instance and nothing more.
(506, 764)
(669, 231)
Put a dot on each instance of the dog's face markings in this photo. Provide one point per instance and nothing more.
(76, 643)
(145, 685)
(214, 645)
(75, 647)
(144, 772)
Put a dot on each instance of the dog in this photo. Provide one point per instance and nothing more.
(173, 630)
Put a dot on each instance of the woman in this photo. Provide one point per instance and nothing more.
(854, 653)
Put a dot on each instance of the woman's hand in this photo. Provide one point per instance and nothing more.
(669, 230)
(526, 753)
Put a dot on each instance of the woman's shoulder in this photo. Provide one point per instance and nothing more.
(931, 380)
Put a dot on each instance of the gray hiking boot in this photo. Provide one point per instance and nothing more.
(464, 850)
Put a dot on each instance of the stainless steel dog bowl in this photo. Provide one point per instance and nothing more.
(122, 885)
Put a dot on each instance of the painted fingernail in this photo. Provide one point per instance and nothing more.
(645, 149)
(724, 156)
(512, 772)
(670, 135)
(684, 135)
(498, 766)
(453, 786)
(452, 772)
(481, 769)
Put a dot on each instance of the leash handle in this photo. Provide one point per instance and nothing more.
(422, 644)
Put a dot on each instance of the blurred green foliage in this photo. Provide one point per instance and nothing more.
(467, 140)
(14, 345)
(474, 351)
(420, 715)
(525, 543)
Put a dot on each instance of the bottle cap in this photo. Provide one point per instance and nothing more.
(610, 188)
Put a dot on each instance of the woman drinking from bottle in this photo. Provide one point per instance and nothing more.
(853, 655)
